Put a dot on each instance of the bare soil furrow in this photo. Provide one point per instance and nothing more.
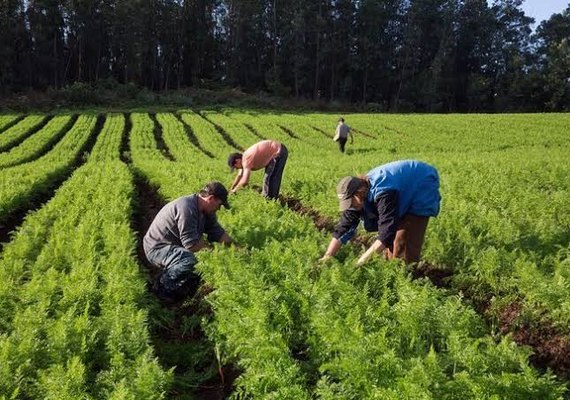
(14, 122)
(289, 132)
(176, 331)
(12, 144)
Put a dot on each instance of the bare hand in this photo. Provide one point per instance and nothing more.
(362, 260)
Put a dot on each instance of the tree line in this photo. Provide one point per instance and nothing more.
(402, 55)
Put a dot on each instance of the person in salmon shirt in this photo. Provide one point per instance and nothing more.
(268, 154)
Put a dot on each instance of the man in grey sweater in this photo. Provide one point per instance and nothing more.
(176, 234)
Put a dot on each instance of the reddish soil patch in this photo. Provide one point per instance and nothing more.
(551, 348)
(221, 387)
(439, 276)
(320, 221)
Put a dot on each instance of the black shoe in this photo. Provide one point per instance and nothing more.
(158, 291)
(167, 299)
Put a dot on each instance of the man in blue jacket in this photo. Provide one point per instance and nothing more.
(396, 199)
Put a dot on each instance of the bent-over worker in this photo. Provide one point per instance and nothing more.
(396, 199)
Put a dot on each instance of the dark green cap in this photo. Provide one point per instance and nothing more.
(345, 190)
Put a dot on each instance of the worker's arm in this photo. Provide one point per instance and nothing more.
(377, 247)
(246, 172)
(190, 235)
(199, 245)
(332, 249)
(387, 208)
(237, 179)
(215, 231)
(337, 133)
(343, 232)
(225, 239)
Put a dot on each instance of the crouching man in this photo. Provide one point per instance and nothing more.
(175, 235)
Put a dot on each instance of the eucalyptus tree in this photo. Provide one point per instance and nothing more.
(15, 47)
(44, 19)
(554, 50)
(510, 59)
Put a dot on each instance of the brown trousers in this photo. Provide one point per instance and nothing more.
(409, 239)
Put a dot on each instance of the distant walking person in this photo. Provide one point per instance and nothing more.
(396, 199)
(176, 234)
(342, 133)
(267, 154)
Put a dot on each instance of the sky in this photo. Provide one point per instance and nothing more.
(543, 9)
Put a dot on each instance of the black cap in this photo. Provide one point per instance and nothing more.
(232, 159)
(219, 191)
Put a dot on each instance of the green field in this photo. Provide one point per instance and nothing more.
(486, 316)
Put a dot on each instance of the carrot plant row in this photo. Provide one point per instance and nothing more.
(72, 321)
(21, 184)
(18, 132)
(6, 120)
(37, 143)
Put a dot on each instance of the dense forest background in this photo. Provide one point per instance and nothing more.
(400, 55)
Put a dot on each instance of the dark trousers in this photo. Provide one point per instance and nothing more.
(342, 143)
(409, 239)
(274, 173)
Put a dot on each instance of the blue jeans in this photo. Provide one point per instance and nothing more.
(177, 278)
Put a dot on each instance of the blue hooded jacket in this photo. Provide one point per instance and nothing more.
(416, 185)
